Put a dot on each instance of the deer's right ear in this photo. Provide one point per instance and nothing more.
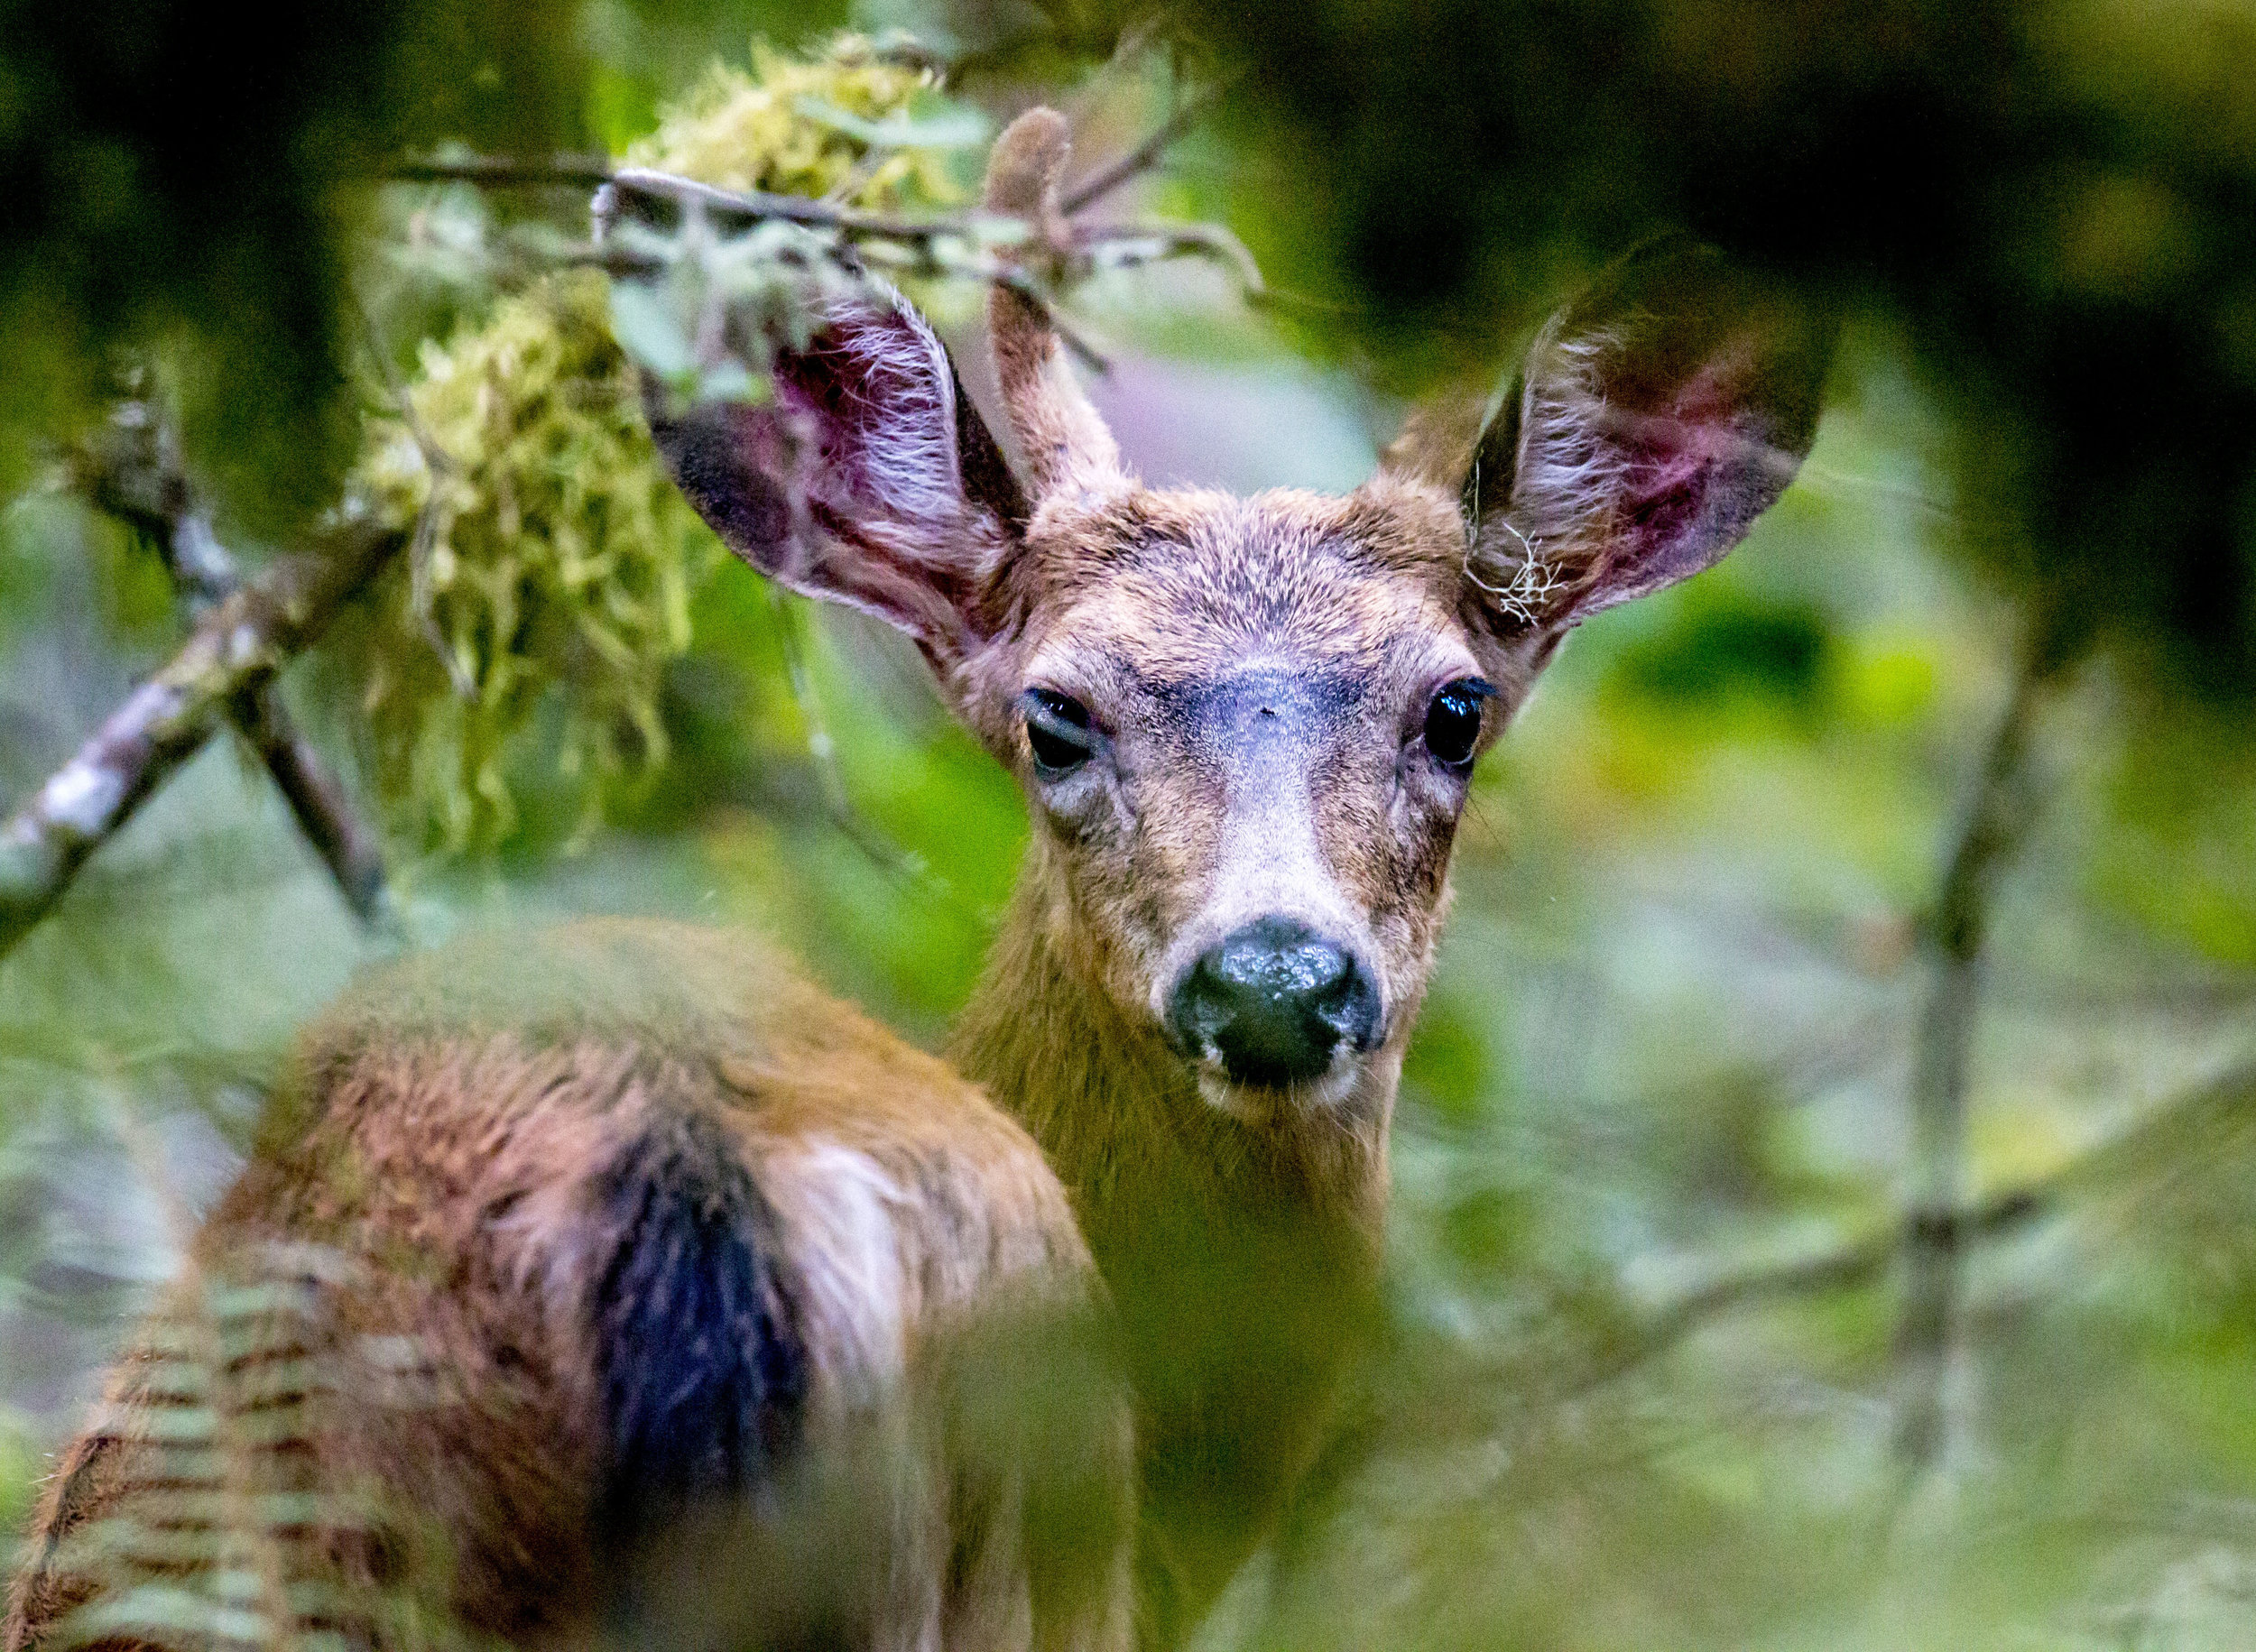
(865, 479)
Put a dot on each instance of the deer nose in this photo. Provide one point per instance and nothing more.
(1275, 1002)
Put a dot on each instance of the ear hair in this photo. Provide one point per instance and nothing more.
(1064, 441)
(867, 478)
(1553, 479)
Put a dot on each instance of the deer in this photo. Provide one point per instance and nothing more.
(681, 1231)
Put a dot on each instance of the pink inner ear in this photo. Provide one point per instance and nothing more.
(1698, 474)
(811, 386)
(850, 483)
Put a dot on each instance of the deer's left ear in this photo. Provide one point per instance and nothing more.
(1656, 418)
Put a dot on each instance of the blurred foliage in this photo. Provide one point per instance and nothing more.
(171, 173)
(1669, 1041)
(243, 1545)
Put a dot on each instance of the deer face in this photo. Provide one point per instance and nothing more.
(1246, 727)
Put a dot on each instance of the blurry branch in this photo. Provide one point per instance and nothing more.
(348, 844)
(236, 649)
(1858, 1263)
(2175, 1139)
(1996, 822)
(132, 472)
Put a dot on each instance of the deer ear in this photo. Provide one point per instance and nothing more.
(865, 479)
(1656, 418)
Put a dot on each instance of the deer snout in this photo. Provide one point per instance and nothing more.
(1274, 1004)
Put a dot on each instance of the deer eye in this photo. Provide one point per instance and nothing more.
(1057, 733)
(1453, 721)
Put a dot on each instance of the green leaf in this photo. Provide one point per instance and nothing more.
(648, 330)
(732, 380)
(946, 125)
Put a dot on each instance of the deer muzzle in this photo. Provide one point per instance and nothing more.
(1274, 1004)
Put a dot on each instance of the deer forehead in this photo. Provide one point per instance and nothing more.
(1170, 590)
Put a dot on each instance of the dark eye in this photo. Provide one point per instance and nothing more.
(1453, 721)
(1057, 733)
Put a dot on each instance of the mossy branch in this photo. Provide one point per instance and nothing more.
(236, 650)
(133, 472)
(548, 562)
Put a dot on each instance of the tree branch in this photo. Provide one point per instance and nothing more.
(1860, 1262)
(969, 243)
(325, 815)
(134, 474)
(234, 650)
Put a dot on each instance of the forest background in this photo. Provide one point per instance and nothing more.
(1826, 1165)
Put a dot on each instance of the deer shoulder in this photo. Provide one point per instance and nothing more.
(617, 1224)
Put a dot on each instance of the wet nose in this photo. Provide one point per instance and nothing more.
(1274, 1001)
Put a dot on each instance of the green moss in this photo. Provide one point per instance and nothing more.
(520, 653)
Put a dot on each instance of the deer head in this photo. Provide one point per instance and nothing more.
(1246, 727)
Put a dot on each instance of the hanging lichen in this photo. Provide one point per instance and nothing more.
(523, 641)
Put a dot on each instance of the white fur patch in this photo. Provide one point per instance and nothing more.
(848, 1214)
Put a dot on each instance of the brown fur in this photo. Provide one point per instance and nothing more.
(1256, 678)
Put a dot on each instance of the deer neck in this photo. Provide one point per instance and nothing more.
(1242, 1257)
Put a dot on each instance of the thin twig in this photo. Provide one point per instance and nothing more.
(823, 752)
(750, 206)
(504, 171)
(965, 243)
(325, 815)
(1996, 821)
(1125, 245)
(1144, 156)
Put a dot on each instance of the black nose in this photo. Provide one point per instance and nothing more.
(1275, 1001)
